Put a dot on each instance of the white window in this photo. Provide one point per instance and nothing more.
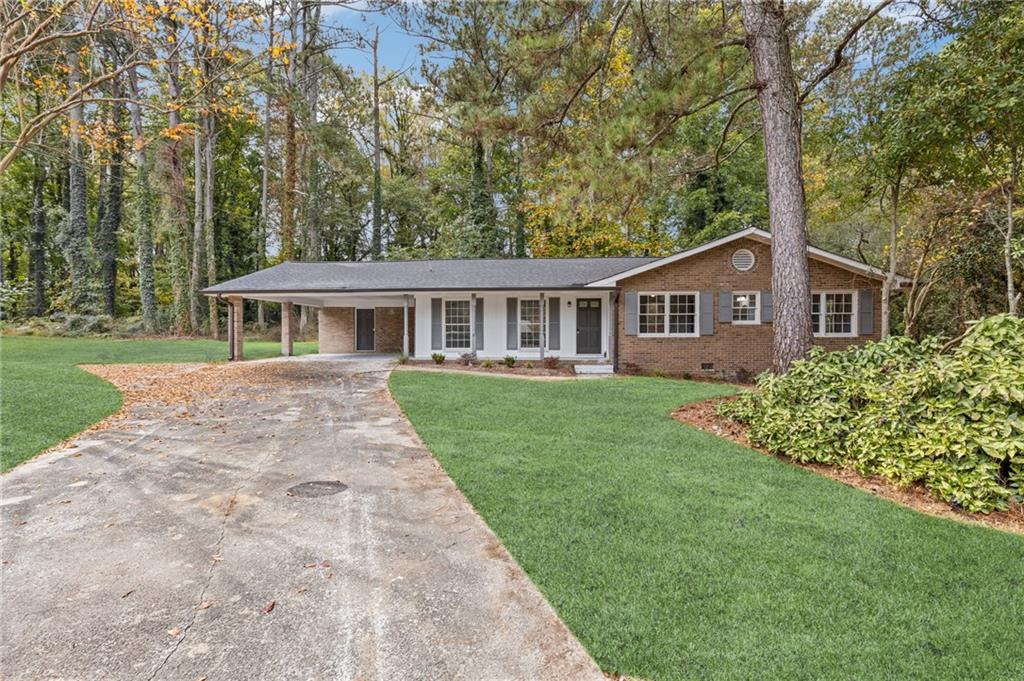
(456, 324)
(833, 313)
(529, 324)
(745, 309)
(667, 314)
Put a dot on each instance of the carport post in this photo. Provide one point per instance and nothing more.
(237, 328)
(405, 325)
(231, 331)
(287, 347)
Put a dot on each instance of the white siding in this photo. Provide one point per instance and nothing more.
(494, 323)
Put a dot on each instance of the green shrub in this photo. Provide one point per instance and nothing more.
(438, 357)
(952, 422)
(487, 364)
(509, 361)
(528, 365)
(403, 359)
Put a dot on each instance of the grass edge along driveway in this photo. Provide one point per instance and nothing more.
(45, 398)
(674, 554)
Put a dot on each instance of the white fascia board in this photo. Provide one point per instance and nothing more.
(749, 232)
(757, 235)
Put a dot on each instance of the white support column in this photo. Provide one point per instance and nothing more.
(472, 323)
(543, 324)
(405, 326)
(287, 344)
(613, 324)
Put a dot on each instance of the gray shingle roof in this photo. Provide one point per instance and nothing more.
(428, 275)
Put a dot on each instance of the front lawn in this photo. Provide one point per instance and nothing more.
(44, 398)
(674, 554)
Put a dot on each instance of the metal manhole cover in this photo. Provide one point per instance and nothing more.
(317, 488)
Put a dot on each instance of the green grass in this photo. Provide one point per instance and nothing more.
(44, 398)
(674, 554)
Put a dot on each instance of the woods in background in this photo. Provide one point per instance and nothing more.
(148, 149)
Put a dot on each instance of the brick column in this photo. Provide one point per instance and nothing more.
(237, 329)
(287, 345)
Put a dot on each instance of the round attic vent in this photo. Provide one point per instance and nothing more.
(743, 260)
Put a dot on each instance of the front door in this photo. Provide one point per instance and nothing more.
(364, 329)
(588, 326)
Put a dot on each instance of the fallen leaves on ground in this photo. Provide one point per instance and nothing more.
(269, 607)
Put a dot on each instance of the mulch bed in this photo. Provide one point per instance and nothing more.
(704, 415)
(519, 369)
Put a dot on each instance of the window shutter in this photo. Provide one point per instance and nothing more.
(866, 312)
(479, 326)
(707, 313)
(632, 320)
(725, 307)
(436, 331)
(554, 323)
(512, 323)
(766, 307)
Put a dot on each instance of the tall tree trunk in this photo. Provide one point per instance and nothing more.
(195, 274)
(37, 243)
(261, 320)
(768, 43)
(482, 204)
(1012, 296)
(890, 275)
(175, 204)
(110, 224)
(210, 138)
(74, 239)
(144, 215)
(519, 239)
(290, 150)
(376, 237)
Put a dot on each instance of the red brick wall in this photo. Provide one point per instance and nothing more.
(734, 348)
(337, 329)
(388, 329)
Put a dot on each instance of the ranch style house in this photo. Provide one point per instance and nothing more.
(703, 311)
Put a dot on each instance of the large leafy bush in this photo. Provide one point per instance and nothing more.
(953, 422)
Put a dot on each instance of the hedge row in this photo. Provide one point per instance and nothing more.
(953, 421)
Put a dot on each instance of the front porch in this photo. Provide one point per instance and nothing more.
(528, 325)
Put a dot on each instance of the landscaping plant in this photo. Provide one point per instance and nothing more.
(509, 361)
(438, 357)
(952, 421)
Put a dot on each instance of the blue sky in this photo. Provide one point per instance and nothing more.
(397, 49)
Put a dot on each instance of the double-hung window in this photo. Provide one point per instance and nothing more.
(745, 309)
(529, 324)
(667, 314)
(456, 324)
(833, 313)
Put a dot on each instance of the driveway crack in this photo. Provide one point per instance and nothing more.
(213, 563)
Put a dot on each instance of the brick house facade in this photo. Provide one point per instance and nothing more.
(705, 311)
(731, 349)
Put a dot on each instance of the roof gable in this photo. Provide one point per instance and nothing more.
(749, 233)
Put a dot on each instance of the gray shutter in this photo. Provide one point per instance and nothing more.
(632, 319)
(866, 312)
(707, 313)
(554, 323)
(512, 323)
(436, 331)
(767, 311)
(479, 326)
(725, 307)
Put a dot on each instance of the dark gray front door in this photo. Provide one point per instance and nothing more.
(588, 326)
(364, 329)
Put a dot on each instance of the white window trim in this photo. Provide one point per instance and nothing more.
(444, 325)
(757, 308)
(543, 324)
(668, 307)
(819, 331)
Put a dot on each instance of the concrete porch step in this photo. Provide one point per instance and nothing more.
(593, 368)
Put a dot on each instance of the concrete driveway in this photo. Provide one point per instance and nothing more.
(216, 543)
